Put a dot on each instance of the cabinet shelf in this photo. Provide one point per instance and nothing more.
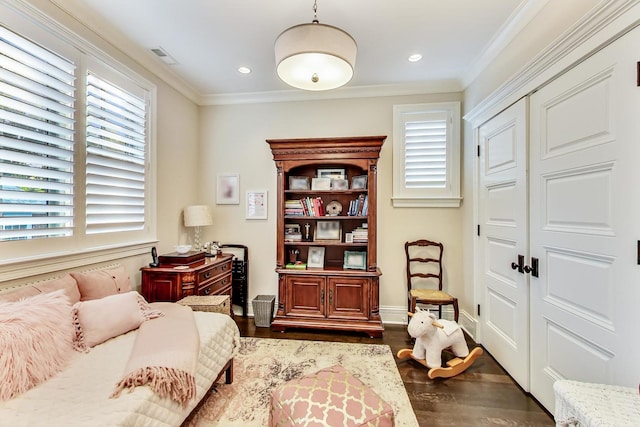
(326, 243)
(326, 217)
(326, 192)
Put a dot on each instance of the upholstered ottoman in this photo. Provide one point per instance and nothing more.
(595, 405)
(330, 397)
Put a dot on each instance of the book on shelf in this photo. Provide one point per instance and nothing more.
(296, 265)
(361, 234)
(359, 206)
(307, 206)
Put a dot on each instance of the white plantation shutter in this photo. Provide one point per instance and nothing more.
(426, 155)
(426, 152)
(36, 140)
(116, 147)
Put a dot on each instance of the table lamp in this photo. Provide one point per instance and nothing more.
(197, 216)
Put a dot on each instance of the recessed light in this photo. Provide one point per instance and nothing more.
(415, 57)
(244, 70)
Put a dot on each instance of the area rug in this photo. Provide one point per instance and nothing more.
(263, 364)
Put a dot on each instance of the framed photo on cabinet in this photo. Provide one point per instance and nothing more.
(359, 182)
(328, 231)
(355, 260)
(228, 189)
(298, 183)
(316, 257)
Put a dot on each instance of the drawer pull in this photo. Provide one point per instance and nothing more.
(207, 274)
(207, 291)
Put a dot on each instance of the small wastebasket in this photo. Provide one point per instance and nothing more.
(263, 310)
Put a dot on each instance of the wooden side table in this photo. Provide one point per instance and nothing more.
(210, 303)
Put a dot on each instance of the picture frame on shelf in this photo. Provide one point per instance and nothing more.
(355, 260)
(328, 231)
(332, 173)
(339, 184)
(228, 189)
(315, 258)
(320, 184)
(359, 182)
(298, 183)
(348, 237)
(256, 205)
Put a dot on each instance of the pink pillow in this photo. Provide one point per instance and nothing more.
(98, 320)
(18, 293)
(102, 283)
(65, 282)
(35, 338)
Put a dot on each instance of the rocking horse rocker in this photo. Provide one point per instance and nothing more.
(432, 336)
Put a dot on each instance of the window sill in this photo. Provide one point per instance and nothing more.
(25, 267)
(430, 202)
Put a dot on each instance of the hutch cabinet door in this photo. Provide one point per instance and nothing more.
(305, 296)
(348, 298)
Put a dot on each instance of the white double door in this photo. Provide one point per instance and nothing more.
(577, 214)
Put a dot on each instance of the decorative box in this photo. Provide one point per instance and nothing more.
(190, 259)
(211, 303)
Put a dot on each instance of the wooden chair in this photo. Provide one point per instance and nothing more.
(424, 276)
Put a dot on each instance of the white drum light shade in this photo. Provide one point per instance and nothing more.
(315, 56)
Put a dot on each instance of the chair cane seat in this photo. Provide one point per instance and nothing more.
(430, 294)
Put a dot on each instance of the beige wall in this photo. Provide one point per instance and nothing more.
(233, 141)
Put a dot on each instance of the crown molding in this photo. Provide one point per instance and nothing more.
(433, 87)
(603, 24)
(519, 19)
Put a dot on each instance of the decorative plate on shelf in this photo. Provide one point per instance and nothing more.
(333, 208)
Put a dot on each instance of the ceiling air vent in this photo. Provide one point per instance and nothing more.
(164, 56)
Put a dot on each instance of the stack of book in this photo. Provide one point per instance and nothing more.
(293, 208)
(292, 236)
(361, 234)
(296, 265)
(359, 206)
(308, 206)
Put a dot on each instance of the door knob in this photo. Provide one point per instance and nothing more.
(520, 265)
(534, 267)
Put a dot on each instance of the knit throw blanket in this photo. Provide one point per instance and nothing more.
(165, 355)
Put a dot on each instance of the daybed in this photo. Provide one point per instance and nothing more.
(79, 395)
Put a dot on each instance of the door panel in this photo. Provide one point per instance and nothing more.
(502, 212)
(348, 298)
(583, 161)
(305, 296)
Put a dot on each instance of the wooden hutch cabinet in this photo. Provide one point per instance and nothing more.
(326, 233)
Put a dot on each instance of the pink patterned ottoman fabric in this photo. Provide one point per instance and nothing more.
(330, 397)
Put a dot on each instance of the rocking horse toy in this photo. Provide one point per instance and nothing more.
(434, 335)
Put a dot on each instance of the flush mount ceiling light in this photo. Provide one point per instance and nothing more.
(315, 56)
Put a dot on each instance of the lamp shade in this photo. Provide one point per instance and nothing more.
(196, 216)
(315, 56)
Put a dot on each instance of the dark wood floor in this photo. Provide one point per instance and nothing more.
(484, 395)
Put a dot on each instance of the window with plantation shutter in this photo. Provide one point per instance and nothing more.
(36, 140)
(426, 155)
(425, 159)
(115, 167)
(76, 182)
